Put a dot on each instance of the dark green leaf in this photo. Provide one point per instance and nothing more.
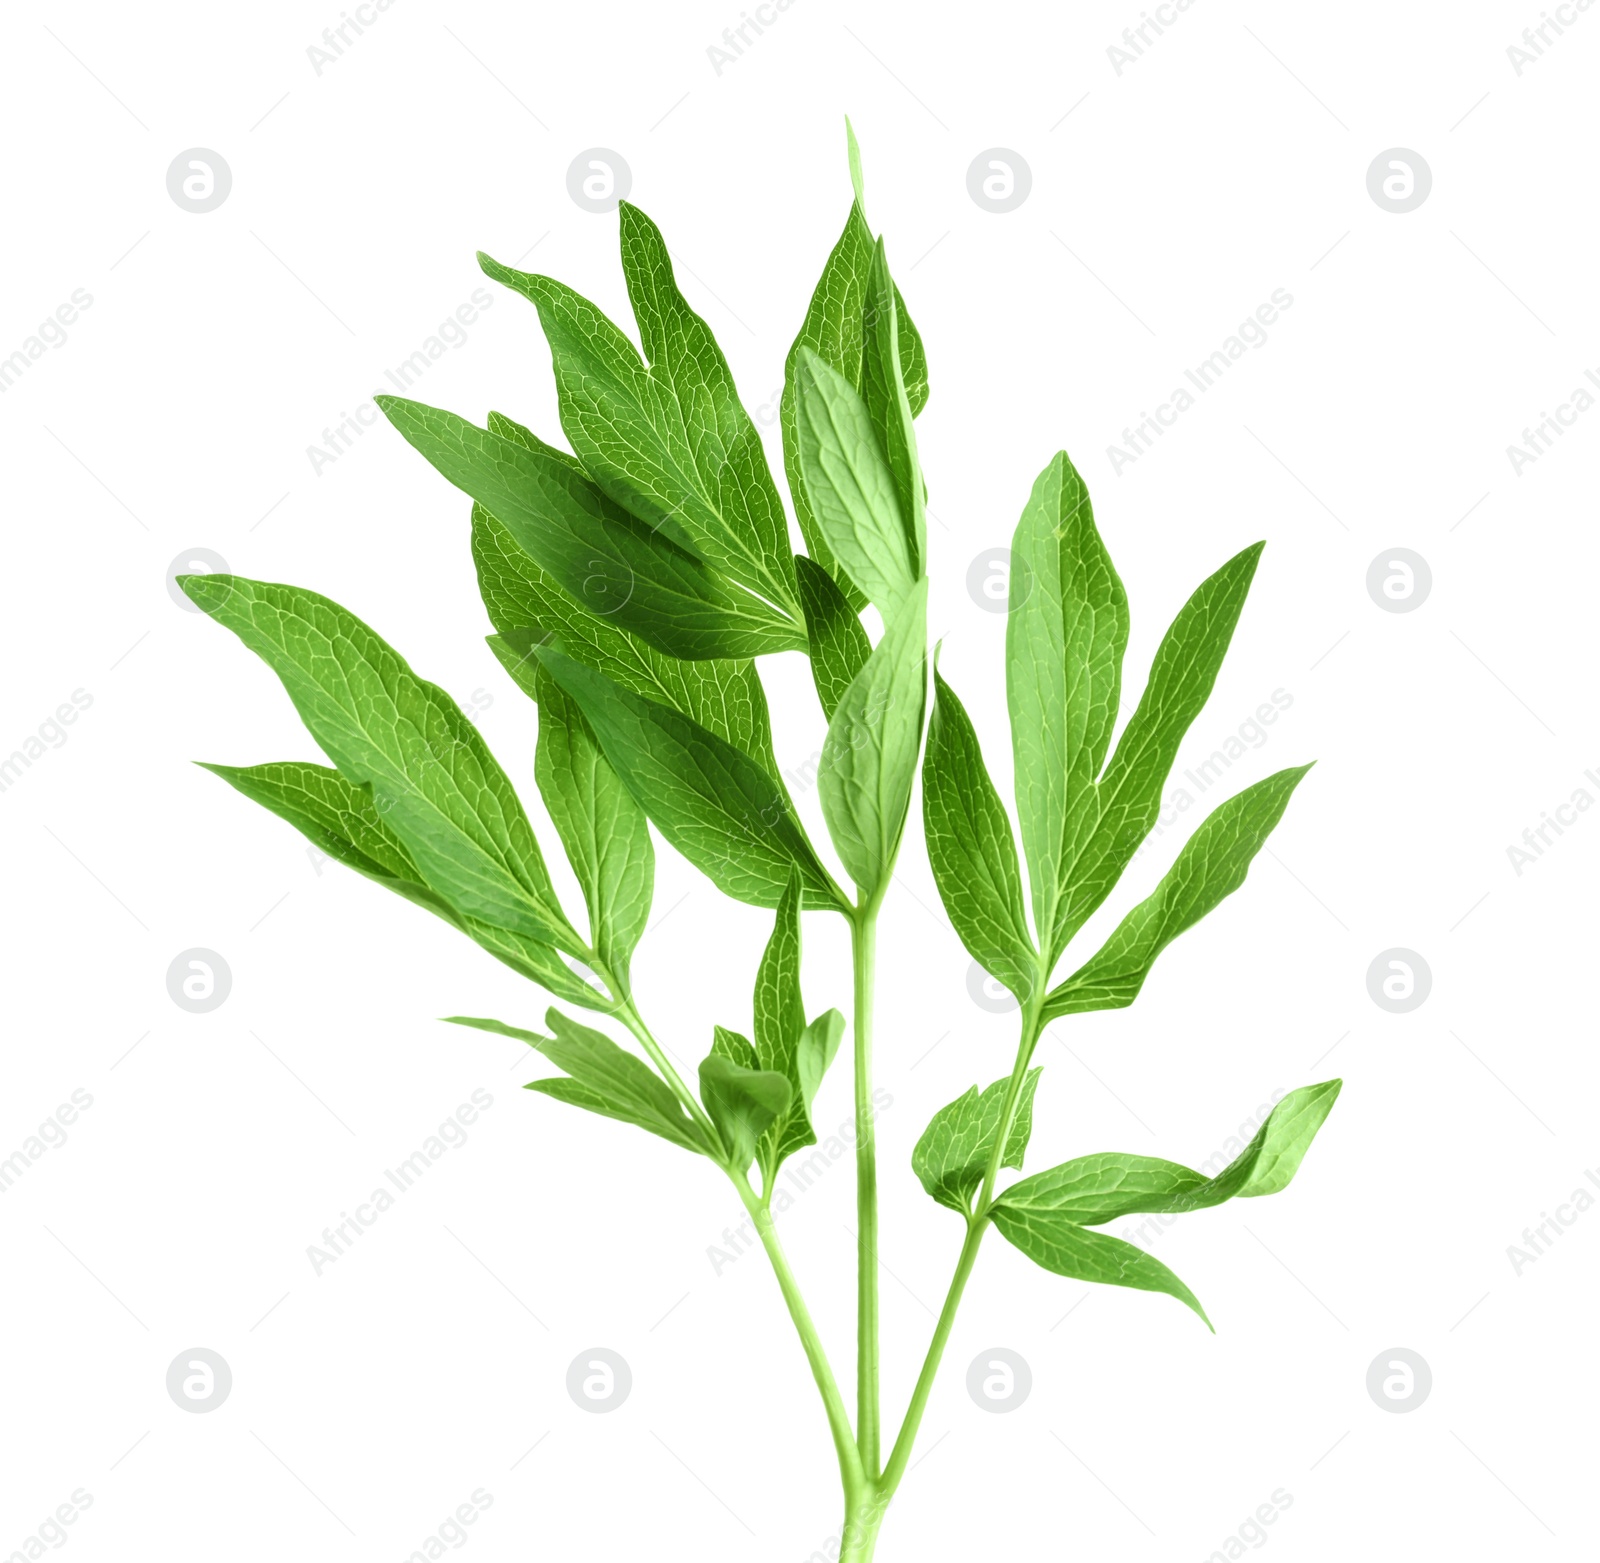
(528, 608)
(838, 644)
(869, 758)
(434, 782)
(602, 557)
(735, 1048)
(714, 804)
(971, 849)
(1211, 866)
(953, 1154)
(780, 1020)
(668, 442)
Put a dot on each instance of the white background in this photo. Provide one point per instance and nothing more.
(1167, 202)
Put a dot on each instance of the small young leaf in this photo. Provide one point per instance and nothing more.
(1110, 819)
(1056, 1244)
(605, 1078)
(1092, 1190)
(839, 646)
(953, 1154)
(971, 849)
(603, 829)
(715, 805)
(819, 1045)
(603, 558)
(869, 758)
(1211, 866)
(528, 609)
(780, 1022)
(1065, 636)
(736, 1049)
(434, 782)
(850, 485)
(743, 1104)
(673, 448)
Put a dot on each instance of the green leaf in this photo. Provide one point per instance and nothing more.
(819, 1046)
(1211, 866)
(434, 782)
(953, 1154)
(720, 809)
(971, 849)
(869, 758)
(884, 393)
(606, 560)
(834, 329)
(743, 1104)
(1065, 636)
(1111, 818)
(669, 442)
(1056, 1244)
(605, 1078)
(839, 646)
(1092, 1190)
(850, 485)
(603, 829)
(735, 1048)
(780, 1021)
(857, 182)
(341, 819)
(528, 608)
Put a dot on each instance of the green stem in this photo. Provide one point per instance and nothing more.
(629, 1015)
(977, 1225)
(864, 932)
(856, 1484)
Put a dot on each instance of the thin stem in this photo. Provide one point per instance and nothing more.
(629, 1015)
(977, 1225)
(850, 1468)
(864, 931)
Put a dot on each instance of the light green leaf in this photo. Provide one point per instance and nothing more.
(603, 829)
(743, 1104)
(605, 1078)
(1056, 1244)
(433, 779)
(735, 1048)
(838, 644)
(1091, 1190)
(780, 1021)
(884, 393)
(971, 849)
(726, 814)
(1211, 866)
(528, 608)
(857, 182)
(869, 758)
(1065, 636)
(819, 1046)
(834, 329)
(850, 485)
(603, 558)
(953, 1154)
(1110, 819)
(669, 442)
